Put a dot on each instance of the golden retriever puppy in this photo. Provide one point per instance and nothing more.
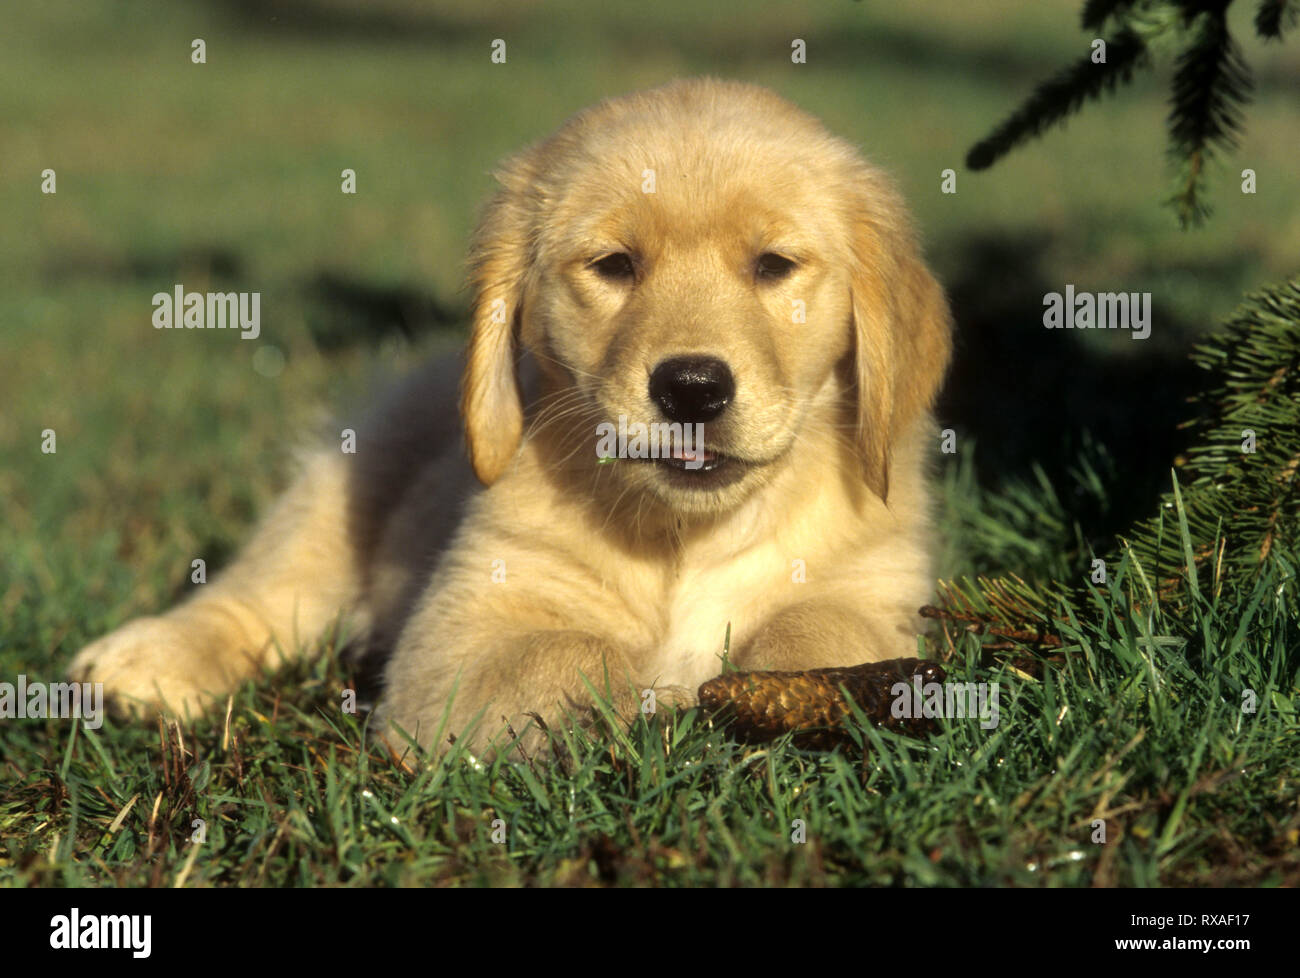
(703, 255)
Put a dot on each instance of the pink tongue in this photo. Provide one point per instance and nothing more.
(694, 455)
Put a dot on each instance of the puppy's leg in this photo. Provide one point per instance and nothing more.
(823, 633)
(506, 677)
(298, 572)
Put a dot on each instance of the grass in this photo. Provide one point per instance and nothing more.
(1192, 791)
(226, 175)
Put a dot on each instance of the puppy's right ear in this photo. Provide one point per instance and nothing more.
(490, 401)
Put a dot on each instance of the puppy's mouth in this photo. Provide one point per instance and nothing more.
(680, 458)
(692, 459)
(699, 468)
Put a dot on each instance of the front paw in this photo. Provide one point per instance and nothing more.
(150, 664)
(654, 700)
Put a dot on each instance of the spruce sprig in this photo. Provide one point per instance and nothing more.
(1210, 87)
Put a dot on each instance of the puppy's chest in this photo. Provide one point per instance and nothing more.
(705, 596)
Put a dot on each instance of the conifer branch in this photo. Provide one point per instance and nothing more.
(1210, 86)
(1060, 97)
(1274, 15)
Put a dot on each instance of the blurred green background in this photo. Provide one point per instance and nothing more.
(226, 176)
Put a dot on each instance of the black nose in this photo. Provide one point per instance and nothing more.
(692, 390)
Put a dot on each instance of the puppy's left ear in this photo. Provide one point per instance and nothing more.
(490, 401)
(902, 332)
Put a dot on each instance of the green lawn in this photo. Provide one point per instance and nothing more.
(226, 175)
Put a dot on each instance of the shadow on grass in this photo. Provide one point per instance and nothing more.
(203, 261)
(343, 311)
(1026, 394)
(340, 311)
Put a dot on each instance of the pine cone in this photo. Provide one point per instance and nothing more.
(763, 705)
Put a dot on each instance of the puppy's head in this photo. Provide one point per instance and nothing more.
(705, 258)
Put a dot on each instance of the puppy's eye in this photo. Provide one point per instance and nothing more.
(772, 266)
(617, 267)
